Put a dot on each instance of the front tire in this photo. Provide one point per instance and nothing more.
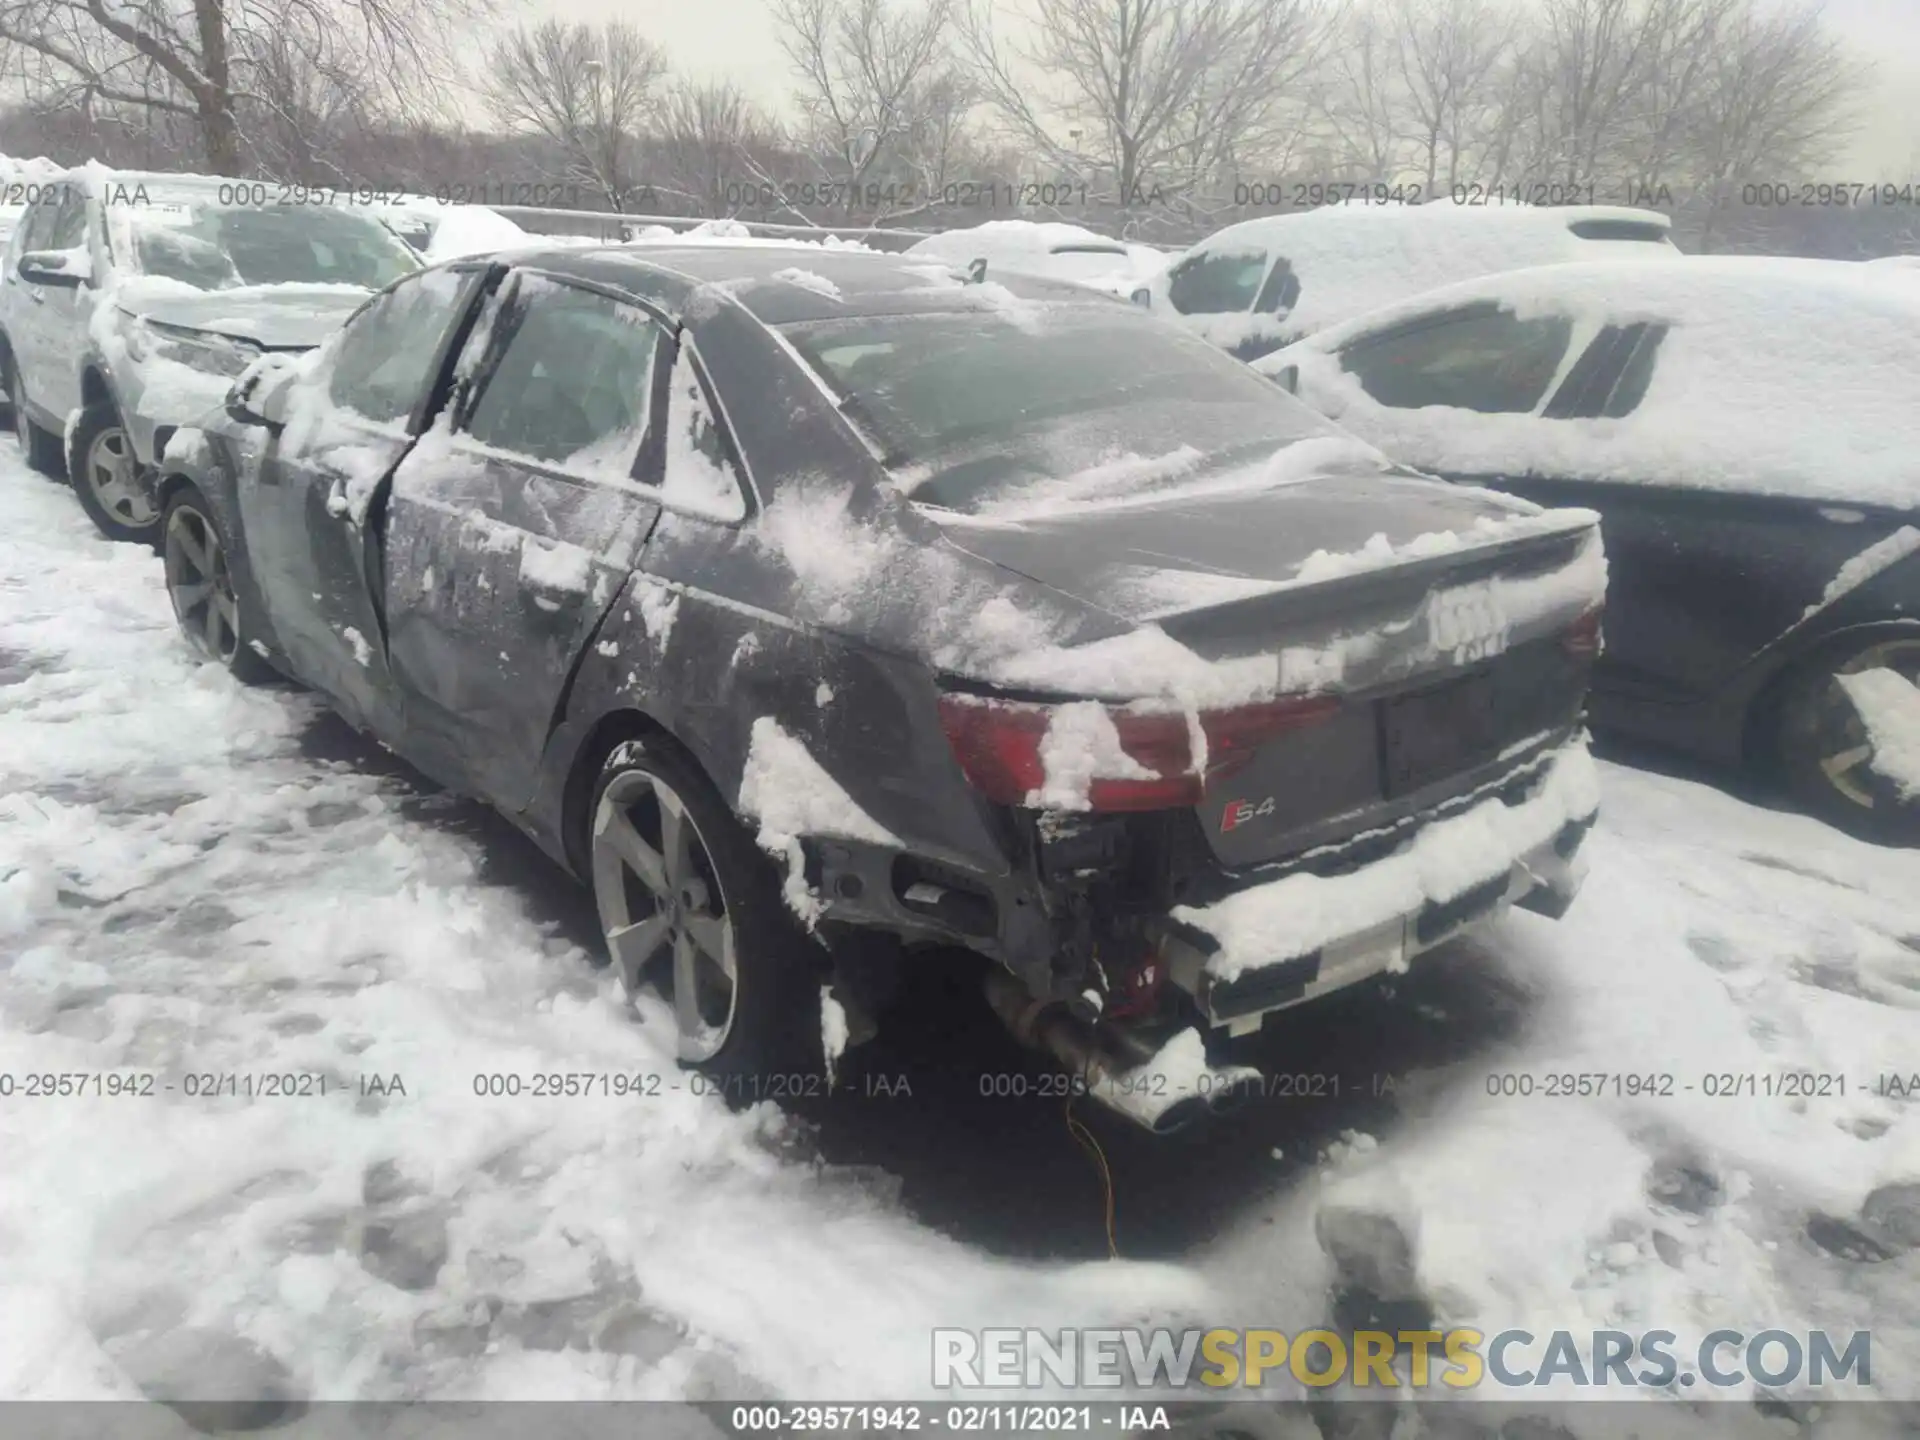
(201, 581)
(105, 475)
(688, 903)
(40, 448)
(1824, 753)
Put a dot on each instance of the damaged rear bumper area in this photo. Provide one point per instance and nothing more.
(1273, 945)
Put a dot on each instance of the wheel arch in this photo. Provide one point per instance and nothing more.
(606, 734)
(1790, 664)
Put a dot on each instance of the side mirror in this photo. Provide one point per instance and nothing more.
(64, 268)
(1142, 297)
(977, 270)
(253, 398)
(1287, 378)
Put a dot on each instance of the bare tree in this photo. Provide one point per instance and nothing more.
(874, 89)
(1359, 99)
(201, 60)
(707, 135)
(1448, 55)
(589, 89)
(1142, 93)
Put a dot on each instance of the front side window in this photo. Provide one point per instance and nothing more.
(1487, 360)
(384, 361)
(1216, 282)
(573, 382)
(69, 229)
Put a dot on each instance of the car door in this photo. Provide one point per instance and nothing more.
(515, 523)
(311, 514)
(63, 314)
(26, 306)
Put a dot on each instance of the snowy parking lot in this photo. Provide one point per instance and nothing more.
(207, 891)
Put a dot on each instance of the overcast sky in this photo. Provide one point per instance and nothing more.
(710, 38)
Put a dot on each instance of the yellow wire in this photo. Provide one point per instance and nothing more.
(1092, 1146)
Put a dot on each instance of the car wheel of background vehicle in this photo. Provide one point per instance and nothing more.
(40, 448)
(106, 477)
(687, 901)
(1825, 755)
(200, 582)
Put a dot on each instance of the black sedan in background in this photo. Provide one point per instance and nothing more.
(823, 609)
(1749, 431)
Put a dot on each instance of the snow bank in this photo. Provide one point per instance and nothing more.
(1297, 915)
(1889, 707)
(1833, 415)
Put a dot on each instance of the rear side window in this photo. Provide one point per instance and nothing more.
(573, 385)
(1216, 282)
(1620, 230)
(1281, 292)
(1487, 360)
(1611, 378)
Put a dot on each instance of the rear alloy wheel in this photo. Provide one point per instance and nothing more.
(688, 905)
(40, 448)
(200, 584)
(106, 477)
(1826, 754)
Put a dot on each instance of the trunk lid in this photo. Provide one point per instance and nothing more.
(1439, 615)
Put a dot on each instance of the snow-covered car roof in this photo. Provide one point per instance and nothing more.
(1351, 258)
(1784, 376)
(1048, 248)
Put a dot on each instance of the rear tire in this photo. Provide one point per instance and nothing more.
(105, 474)
(683, 896)
(1824, 755)
(206, 580)
(38, 447)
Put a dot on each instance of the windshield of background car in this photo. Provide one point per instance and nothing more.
(215, 247)
(976, 409)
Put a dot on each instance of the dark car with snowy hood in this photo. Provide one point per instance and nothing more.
(131, 301)
(826, 612)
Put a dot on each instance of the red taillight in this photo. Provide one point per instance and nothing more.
(1001, 744)
(1583, 638)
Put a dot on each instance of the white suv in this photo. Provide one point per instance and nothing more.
(129, 302)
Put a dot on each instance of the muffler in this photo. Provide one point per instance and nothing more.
(1161, 1090)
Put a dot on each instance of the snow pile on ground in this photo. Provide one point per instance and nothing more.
(185, 891)
(1889, 707)
(1842, 403)
(1716, 951)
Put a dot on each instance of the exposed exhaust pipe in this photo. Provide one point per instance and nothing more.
(1161, 1091)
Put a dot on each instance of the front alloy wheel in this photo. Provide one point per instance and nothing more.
(106, 476)
(200, 584)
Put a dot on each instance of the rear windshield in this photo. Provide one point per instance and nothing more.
(975, 411)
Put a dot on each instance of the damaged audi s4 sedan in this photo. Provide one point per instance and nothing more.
(829, 612)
